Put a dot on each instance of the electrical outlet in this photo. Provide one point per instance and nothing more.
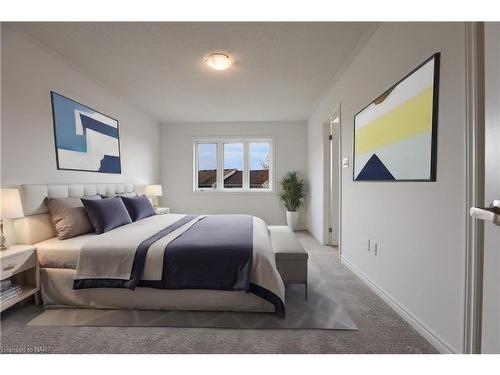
(368, 245)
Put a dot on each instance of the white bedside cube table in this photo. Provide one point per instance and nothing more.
(20, 265)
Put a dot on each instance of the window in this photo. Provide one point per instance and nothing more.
(207, 165)
(260, 163)
(233, 164)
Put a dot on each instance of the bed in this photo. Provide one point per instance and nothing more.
(62, 283)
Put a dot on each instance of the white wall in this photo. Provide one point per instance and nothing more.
(29, 73)
(419, 227)
(177, 168)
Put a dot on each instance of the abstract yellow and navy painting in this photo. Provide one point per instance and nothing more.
(395, 135)
(85, 139)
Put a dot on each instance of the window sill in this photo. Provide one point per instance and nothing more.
(233, 192)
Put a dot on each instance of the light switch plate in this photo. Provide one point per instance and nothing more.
(345, 163)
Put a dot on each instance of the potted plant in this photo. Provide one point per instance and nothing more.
(292, 196)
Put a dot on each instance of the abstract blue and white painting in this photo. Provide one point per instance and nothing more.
(85, 140)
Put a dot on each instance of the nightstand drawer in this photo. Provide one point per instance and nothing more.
(18, 263)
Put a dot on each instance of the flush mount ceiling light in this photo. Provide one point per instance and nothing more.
(218, 61)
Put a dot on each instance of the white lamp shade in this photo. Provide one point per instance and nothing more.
(153, 190)
(10, 204)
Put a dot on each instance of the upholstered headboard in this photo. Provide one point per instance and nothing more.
(36, 225)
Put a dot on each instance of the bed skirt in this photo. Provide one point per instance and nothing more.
(57, 291)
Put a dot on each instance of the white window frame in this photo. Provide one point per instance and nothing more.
(220, 141)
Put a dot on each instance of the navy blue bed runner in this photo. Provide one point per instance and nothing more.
(216, 253)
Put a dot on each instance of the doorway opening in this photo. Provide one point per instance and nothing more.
(332, 180)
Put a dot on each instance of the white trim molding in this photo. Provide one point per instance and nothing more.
(474, 44)
(411, 319)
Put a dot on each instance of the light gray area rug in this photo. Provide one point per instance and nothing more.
(321, 311)
(381, 330)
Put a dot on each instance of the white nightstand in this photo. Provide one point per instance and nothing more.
(19, 263)
(162, 210)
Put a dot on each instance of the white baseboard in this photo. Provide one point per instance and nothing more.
(419, 326)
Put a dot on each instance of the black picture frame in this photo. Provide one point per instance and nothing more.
(52, 94)
(434, 132)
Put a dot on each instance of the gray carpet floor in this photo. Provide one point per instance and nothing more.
(381, 330)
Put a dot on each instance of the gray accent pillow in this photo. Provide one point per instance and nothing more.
(69, 217)
(106, 214)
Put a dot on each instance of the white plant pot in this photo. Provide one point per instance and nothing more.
(292, 219)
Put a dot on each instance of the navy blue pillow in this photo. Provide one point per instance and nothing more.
(106, 214)
(104, 196)
(138, 207)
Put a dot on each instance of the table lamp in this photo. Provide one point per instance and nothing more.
(10, 208)
(154, 191)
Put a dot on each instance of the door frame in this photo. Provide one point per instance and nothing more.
(475, 149)
(327, 193)
(490, 340)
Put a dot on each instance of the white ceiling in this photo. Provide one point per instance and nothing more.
(281, 69)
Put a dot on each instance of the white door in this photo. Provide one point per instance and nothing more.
(491, 281)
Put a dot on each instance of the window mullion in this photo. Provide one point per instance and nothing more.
(195, 169)
(246, 169)
(220, 165)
